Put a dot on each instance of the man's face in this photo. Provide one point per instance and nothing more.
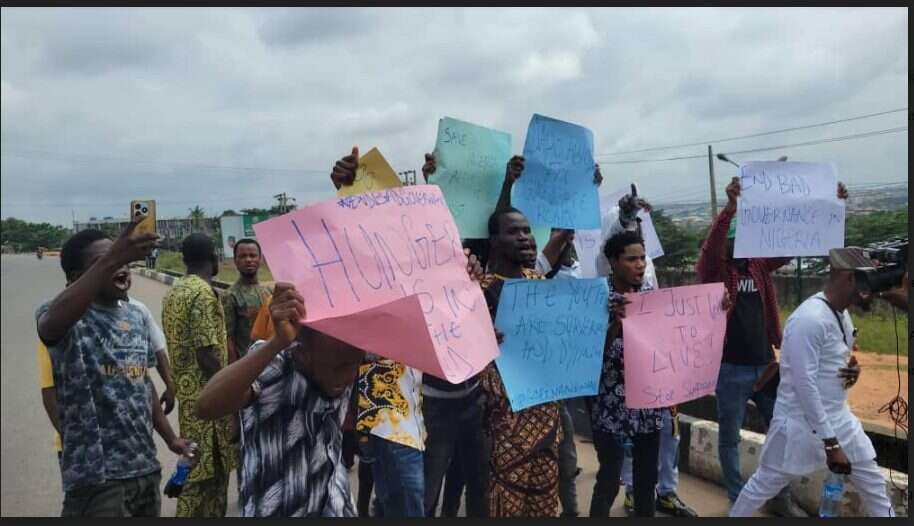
(630, 265)
(116, 288)
(247, 259)
(515, 241)
(847, 287)
(331, 364)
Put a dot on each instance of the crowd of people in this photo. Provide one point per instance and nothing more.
(289, 408)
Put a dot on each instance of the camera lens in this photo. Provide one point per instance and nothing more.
(145, 210)
(137, 206)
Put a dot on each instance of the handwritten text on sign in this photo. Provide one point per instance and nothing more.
(385, 272)
(556, 188)
(788, 209)
(471, 164)
(673, 340)
(554, 335)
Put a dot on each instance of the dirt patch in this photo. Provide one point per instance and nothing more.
(878, 385)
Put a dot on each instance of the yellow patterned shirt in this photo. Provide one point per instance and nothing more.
(192, 317)
(390, 403)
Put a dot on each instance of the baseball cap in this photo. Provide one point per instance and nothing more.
(848, 258)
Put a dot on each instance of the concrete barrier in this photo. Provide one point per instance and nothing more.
(169, 277)
(702, 460)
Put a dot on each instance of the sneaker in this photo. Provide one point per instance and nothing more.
(671, 504)
(785, 506)
(629, 504)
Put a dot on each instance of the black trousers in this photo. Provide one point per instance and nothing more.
(610, 453)
(452, 425)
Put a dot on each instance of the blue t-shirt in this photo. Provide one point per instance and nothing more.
(103, 398)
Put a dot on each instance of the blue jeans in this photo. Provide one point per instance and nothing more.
(668, 461)
(734, 390)
(398, 478)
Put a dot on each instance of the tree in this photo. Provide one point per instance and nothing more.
(680, 243)
(197, 215)
(25, 237)
(865, 229)
(229, 212)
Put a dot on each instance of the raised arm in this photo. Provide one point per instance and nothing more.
(229, 390)
(711, 255)
(513, 171)
(72, 303)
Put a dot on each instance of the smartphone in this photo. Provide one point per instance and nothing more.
(147, 211)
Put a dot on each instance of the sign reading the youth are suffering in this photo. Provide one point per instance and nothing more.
(373, 174)
(385, 272)
(673, 339)
(470, 167)
(788, 209)
(554, 331)
(556, 189)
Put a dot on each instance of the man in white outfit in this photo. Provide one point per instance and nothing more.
(813, 424)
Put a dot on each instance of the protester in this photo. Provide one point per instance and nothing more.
(292, 391)
(454, 425)
(620, 218)
(194, 325)
(390, 413)
(611, 419)
(549, 257)
(106, 405)
(243, 300)
(813, 425)
(753, 327)
(523, 445)
(668, 500)
(568, 267)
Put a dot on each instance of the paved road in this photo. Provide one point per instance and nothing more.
(30, 474)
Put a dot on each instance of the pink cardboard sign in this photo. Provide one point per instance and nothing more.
(385, 271)
(673, 340)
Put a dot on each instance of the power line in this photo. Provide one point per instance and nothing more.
(760, 134)
(769, 148)
(54, 156)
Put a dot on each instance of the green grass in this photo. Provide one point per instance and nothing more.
(170, 260)
(875, 330)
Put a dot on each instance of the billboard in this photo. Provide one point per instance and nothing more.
(235, 228)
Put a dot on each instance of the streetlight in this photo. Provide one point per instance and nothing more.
(723, 157)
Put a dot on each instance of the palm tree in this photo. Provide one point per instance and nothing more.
(197, 215)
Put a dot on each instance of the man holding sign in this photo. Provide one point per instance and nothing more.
(611, 419)
(753, 327)
(524, 470)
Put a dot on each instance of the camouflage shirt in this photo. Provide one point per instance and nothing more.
(241, 303)
(103, 396)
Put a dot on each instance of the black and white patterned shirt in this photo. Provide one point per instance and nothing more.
(291, 445)
(609, 413)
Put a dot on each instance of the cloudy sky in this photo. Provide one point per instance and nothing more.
(224, 108)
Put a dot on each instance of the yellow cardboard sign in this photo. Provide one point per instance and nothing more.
(373, 175)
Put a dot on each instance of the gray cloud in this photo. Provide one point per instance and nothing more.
(227, 107)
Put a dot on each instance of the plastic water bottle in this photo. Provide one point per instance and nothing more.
(832, 491)
(627, 446)
(176, 483)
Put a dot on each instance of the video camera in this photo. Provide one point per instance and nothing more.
(893, 259)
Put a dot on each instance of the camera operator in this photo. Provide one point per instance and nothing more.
(813, 424)
(897, 296)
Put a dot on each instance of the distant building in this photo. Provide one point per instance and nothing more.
(171, 230)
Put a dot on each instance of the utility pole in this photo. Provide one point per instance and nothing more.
(283, 202)
(713, 184)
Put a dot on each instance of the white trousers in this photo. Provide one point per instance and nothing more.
(768, 480)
